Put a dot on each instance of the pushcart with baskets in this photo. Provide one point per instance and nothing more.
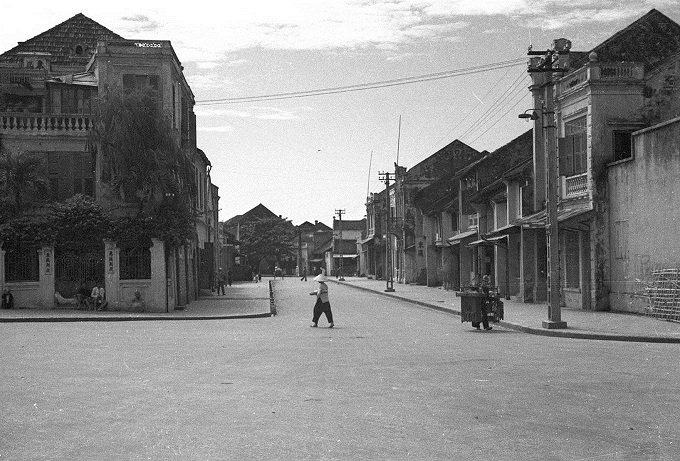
(472, 301)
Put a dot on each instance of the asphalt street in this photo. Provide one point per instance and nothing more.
(391, 381)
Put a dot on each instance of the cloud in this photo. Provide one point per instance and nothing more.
(275, 113)
(215, 129)
(209, 81)
(140, 23)
(216, 111)
(254, 112)
(565, 19)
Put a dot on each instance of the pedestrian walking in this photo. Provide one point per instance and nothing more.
(322, 304)
(485, 287)
(304, 274)
(220, 282)
(230, 277)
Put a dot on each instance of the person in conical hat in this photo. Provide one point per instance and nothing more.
(322, 305)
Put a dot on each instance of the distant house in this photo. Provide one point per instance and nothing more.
(343, 256)
(233, 229)
(311, 241)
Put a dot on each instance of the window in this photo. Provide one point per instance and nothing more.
(72, 100)
(22, 264)
(174, 108)
(79, 50)
(527, 200)
(573, 148)
(572, 260)
(454, 221)
(623, 145)
(70, 173)
(501, 214)
(438, 227)
(135, 82)
(473, 220)
(621, 239)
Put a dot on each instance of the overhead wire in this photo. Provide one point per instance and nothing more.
(507, 99)
(492, 110)
(465, 117)
(498, 119)
(364, 86)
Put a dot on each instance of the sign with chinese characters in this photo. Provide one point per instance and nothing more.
(48, 262)
(110, 261)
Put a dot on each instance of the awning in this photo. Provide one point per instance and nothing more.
(458, 237)
(365, 241)
(487, 241)
(502, 231)
(537, 220)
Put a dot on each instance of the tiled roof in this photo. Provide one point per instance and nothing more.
(62, 39)
(650, 40)
(349, 224)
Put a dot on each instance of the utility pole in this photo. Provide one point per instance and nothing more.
(299, 264)
(547, 66)
(342, 256)
(386, 176)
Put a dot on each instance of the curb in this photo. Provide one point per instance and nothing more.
(131, 319)
(531, 330)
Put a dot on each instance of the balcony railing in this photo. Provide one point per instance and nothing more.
(10, 75)
(28, 122)
(575, 186)
(601, 72)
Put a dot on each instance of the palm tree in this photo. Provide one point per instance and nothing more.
(20, 172)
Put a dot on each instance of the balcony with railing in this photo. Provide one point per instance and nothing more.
(22, 76)
(600, 72)
(25, 122)
(575, 186)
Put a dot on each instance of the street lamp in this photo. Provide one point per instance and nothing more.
(532, 116)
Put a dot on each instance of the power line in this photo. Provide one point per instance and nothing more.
(463, 119)
(492, 110)
(365, 86)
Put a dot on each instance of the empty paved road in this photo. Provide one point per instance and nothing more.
(391, 381)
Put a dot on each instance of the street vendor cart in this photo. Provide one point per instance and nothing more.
(471, 302)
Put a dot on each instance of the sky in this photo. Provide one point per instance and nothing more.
(400, 79)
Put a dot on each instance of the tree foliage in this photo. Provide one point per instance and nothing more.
(266, 240)
(142, 159)
(20, 173)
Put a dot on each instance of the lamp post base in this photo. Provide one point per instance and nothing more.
(390, 286)
(553, 325)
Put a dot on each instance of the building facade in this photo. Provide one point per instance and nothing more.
(50, 87)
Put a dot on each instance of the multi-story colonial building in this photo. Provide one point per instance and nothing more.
(49, 88)
(409, 258)
(608, 94)
(615, 124)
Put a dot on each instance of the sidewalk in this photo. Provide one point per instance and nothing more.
(528, 317)
(241, 300)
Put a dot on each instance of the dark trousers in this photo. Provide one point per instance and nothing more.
(485, 318)
(321, 307)
(220, 287)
